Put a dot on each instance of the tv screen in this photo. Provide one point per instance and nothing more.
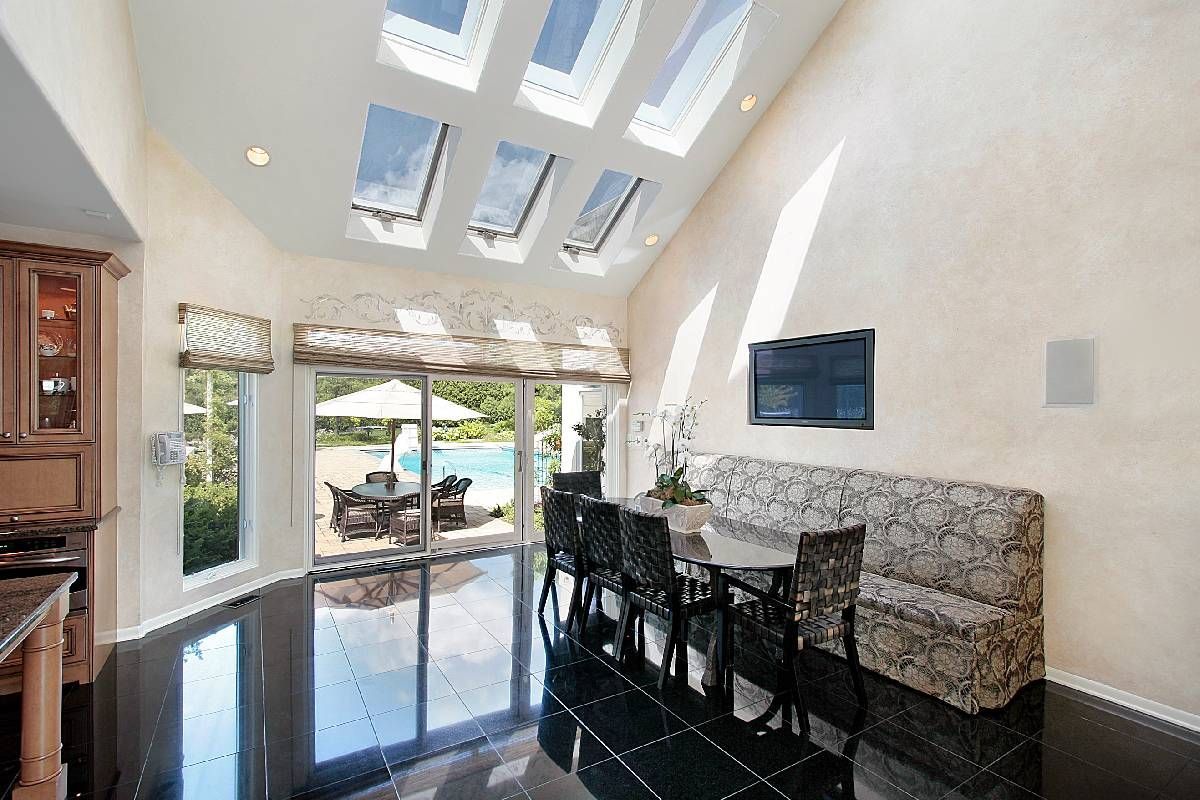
(817, 381)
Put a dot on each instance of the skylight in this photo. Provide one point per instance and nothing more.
(395, 169)
(574, 37)
(447, 26)
(698, 48)
(512, 183)
(602, 209)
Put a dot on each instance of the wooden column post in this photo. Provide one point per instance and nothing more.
(43, 776)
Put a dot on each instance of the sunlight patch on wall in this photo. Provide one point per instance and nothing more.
(515, 329)
(416, 320)
(785, 258)
(685, 352)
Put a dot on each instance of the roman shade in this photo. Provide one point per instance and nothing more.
(421, 352)
(216, 339)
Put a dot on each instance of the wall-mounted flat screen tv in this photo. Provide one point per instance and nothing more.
(816, 381)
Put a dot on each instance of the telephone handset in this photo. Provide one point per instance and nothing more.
(168, 448)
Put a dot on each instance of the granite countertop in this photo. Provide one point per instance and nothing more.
(23, 603)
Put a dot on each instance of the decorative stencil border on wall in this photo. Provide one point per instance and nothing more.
(473, 311)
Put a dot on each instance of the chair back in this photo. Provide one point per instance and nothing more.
(600, 530)
(562, 528)
(646, 556)
(347, 499)
(445, 483)
(587, 482)
(382, 476)
(828, 565)
(337, 498)
(459, 490)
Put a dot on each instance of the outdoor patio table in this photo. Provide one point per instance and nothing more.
(386, 491)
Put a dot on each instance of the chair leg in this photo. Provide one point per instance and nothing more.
(851, 645)
(576, 601)
(641, 633)
(599, 599)
(623, 623)
(792, 656)
(587, 604)
(546, 583)
(672, 641)
(681, 650)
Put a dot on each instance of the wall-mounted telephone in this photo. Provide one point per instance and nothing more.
(167, 448)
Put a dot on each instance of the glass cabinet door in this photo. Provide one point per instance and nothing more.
(58, 353)
(8, 353)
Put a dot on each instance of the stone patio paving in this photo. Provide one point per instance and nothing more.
(346, 467)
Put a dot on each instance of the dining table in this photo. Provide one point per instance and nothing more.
(386, 491)
(723, 545)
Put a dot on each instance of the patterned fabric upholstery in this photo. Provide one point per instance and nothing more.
(562, 526)
(577, 483)
(646, 550)
(825, 579)
(960, 616)
(600, 527)
(713, 473)
(769, 620)
(951, 589)
(967, 539)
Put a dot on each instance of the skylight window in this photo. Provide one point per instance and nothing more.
(697, 50)
(602, 209)
(513, 181)
(396, 167)
(574, 37)
(447, 26)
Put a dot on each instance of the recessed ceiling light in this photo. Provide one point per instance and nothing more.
(258, 156)
(749, 101)
(651, 240)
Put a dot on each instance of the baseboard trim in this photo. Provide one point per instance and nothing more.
(154, 623)
(1152, 708)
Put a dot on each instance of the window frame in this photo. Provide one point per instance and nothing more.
(686, 107)
(574, 245)
(247, 451)
(486, 230)
(550, 80)
(434, 36)
(431, 170)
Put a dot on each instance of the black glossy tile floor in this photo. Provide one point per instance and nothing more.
(441, 681)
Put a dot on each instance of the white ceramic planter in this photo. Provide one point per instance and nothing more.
(679, 518)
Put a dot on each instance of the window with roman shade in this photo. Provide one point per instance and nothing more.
(216, 339)
(419, 352)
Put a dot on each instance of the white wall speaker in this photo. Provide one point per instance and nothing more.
(1070, 372)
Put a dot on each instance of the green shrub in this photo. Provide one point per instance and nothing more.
(210, 526)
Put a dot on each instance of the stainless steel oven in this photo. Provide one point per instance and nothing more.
(41, 553)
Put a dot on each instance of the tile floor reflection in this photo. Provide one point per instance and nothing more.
(441, 681)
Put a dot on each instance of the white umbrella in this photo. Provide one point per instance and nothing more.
(392, 400)
(191, 408)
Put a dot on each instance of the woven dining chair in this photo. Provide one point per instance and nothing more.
(652, 584)
(563, 548)
(587, 482)
(819, 606)
(600, 531)
(381, 476)
(404, 519)
(355, 515)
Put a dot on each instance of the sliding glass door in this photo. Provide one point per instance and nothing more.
(371, 488)
(570, 434)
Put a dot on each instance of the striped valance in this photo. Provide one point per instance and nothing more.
(421, 352)
(216, 339)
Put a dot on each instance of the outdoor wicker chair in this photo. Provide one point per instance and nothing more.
(404, 520)
(354, 514)
(337, 506)
(652, 584)
(587, 482)
(819, 607)
(382, 476)
(450, 504)
(445, 483)
(564, 551)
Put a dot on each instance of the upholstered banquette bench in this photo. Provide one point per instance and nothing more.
(950, 599)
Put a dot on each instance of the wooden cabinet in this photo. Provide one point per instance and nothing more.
(58, 434)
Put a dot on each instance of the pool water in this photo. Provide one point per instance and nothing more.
(490, 466)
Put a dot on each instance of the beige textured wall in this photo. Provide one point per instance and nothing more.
(972, 179)
(81, 54)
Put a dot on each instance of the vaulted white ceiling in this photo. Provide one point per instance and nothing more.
(298, 76)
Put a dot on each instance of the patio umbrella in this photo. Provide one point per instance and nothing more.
(191, 408)
(392, 401)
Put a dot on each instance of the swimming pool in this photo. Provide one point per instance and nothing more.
(490, 466)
